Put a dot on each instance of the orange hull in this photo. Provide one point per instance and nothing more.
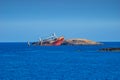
(58, 41)
(55, 42)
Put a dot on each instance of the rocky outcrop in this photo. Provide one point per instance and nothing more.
(79, 42)
(110, 49)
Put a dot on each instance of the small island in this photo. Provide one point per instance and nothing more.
(79, 41)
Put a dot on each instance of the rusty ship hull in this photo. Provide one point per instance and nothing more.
(55, 42)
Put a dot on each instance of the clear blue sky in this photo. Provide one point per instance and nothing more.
(26, 20)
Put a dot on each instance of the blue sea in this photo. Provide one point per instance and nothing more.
(18, 61)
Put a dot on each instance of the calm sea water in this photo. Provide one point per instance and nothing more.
(21, 62)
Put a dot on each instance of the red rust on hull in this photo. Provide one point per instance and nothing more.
(58, 41)
(53, 40)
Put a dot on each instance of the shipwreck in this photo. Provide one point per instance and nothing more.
(53, 40)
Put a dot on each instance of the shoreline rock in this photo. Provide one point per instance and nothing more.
(79, 41)
(110, 49)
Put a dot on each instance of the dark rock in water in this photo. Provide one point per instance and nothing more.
(79, 41)
(110, 49)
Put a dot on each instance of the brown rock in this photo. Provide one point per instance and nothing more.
(79, 41)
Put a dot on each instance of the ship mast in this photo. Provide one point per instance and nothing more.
(28, 43)
(40, 40)
(54, 35)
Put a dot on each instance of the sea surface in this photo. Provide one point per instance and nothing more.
(18, 61)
